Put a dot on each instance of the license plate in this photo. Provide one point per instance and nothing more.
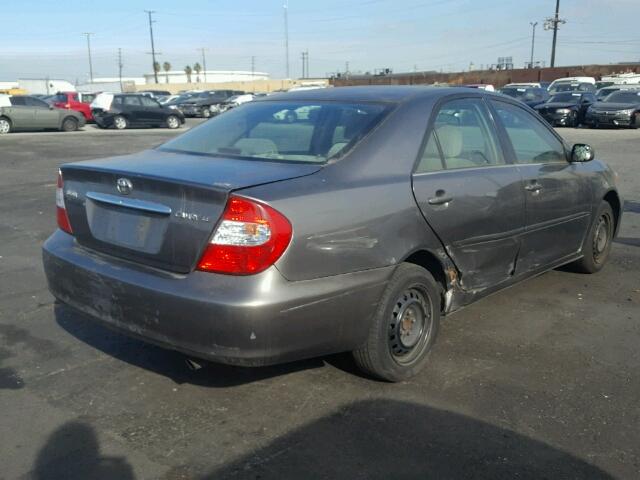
(129, 230)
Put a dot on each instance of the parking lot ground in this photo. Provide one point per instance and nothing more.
(539, 381)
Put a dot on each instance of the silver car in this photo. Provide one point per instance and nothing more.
(23, 113)
(321, 221)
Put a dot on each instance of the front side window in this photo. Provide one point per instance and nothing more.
(285, 131)
(464, 131)
(531, 140)
(149, 102)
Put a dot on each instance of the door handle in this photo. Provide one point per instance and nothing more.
(440, 199)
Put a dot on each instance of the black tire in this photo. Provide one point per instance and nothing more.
(597, 245)
(172, 122)
(69, 124)
(5, 125)
(385, 354)
(120, 122)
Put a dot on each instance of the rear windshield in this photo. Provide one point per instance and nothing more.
(284, 131)
(624, 97)
(566, 98)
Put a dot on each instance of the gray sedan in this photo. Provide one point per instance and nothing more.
(23, 112)
(321, 221)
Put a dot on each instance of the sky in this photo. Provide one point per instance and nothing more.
(44, 38)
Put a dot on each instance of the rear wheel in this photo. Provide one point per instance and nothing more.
(69, 124)
(120, 123)
(172, 122)
(5, 125)
(598, 242)
(404, 327)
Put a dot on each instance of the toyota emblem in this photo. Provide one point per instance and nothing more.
(124, 186)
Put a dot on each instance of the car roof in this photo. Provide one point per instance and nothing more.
(373, 93)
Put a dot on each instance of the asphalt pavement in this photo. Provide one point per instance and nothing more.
(538, 381)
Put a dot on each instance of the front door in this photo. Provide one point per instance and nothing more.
(470, 196)
(153, 113)
(45, 115)
(557, 196)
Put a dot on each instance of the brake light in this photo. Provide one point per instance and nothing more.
(61, 210)
(250, 238)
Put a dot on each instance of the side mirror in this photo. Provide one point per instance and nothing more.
(581, 152)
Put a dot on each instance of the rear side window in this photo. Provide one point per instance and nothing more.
(531, 140)
(35, 102)
(465, 135)
(17, 101)
(132, 101)
(284, 131)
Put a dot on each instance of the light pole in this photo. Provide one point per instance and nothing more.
(533, 41)
(286, 34)
(88, 35)
(153, 48)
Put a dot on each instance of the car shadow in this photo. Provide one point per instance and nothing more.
(634, 242)
(387, 439)
(177, 366)
(72, 452)
(631, 206)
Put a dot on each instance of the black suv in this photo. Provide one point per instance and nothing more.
(134, 110)
(206, 104)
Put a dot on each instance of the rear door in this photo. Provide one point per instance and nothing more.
(558, 197)
(133, 108)
(469, 194)
(22, 116)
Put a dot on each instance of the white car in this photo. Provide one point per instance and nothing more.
(571, 80)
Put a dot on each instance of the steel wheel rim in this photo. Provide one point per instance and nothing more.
(206, 113)
(4, 126)
(410, 326)
(601, 237)
(172, 122)
(120, 123)
(69, 125)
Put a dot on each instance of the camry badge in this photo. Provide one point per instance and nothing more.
(124, 186)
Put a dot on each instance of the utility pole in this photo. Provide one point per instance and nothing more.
(253, 70)
(304, 64)
(153, 48)
(286, 35)
(346, 68)
(204, 63)
(306, 58)
(120, 67)
(552, 24)
(88, 35)
(533, 41)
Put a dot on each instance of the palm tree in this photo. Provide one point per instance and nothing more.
(197, 68)
(166, 66)
(156, 69)
(188, 71)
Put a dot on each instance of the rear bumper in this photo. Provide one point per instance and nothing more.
(254, 320)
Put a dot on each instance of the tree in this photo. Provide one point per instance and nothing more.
(197, 68)
(188, 71)
(166, 66)
(156, 67)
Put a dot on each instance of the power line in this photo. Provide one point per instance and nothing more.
(88, 35)
(153, 48)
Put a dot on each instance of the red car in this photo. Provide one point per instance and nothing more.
(80, 102)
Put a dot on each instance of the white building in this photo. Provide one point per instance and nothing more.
(210, 76)
(45, 86)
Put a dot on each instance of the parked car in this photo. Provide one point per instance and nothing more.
(155, 93)
(566, 109)
(134, 110)
(25, 112)
(235, 101)
(572, 87)
(577, 81)
(530, 96)
(252, 240)
(620, 109)
(604, 92)
(74, 101)
(481, 86)
(205, 104)
(600, 85)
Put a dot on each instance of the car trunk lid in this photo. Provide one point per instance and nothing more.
(159, 208)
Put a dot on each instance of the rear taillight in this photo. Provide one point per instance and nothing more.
(251, 236)
(61, 211)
